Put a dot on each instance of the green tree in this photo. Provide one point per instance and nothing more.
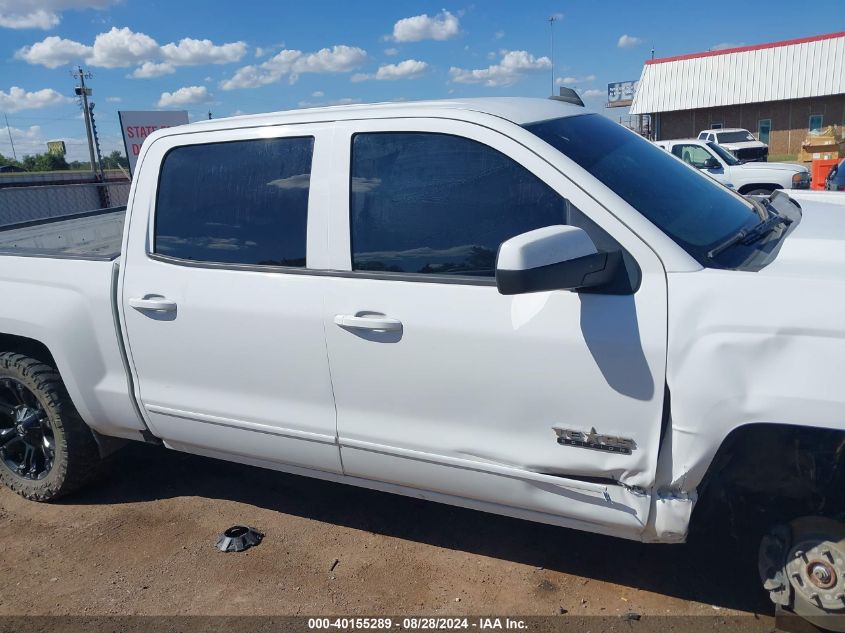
(4, 160)
(44, 162)
(115, 160)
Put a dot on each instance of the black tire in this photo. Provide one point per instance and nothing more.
(76, 457)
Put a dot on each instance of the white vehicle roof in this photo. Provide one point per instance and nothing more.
(726, 129)
(519, 110)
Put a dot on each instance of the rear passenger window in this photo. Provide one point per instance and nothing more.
(240, 202)
(438, 204)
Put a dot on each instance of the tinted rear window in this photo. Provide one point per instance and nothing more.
(242, 202)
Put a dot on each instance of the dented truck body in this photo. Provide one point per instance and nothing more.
(598, 405)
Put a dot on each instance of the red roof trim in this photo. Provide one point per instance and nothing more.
(743, 49)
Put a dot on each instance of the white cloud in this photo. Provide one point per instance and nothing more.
(53, 52)
(318, 93)
(27, 141)
(292, 63)
(114, 99)
(191, 52)
(147, 70)
(19, 99)
(442, 26)
(41, 14)
(391, 52)
(627, 41)
(184, 96)
(723, 45)
(408, 69)
(568, 81)
(510, 69)
(38, 19)
(593, 92)
(119, 48)
(499, 35)
(122, 47)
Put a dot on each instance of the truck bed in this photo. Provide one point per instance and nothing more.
(91, 235)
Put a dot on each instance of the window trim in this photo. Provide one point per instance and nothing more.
(470, 280)
(172, 259)
(463, 280)
(718, 125)
(810, 122)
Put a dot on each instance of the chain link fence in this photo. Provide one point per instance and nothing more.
(26, 204)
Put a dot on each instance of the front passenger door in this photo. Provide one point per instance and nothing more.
(443, 384)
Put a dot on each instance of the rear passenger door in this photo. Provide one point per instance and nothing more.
(222, 318)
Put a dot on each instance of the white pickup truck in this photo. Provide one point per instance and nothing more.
(748, 178)
(478, 302)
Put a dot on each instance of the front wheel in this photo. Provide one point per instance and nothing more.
(803, 567)
(762, 191)
(46, 450)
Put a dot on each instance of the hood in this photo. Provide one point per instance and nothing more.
(768, 167)
(815, 248)
(743, 144)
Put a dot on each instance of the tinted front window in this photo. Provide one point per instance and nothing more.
(724, 154)
(243, 202)
(691, 208)
(440, 204)
(734, 137)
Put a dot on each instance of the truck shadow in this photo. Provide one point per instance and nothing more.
(711, 569)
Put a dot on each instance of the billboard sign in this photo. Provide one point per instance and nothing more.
(620, 94)
(137, 125)
(56, 148)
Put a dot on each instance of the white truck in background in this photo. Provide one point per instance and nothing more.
(478, 302)
(740, 142)
(748, 178)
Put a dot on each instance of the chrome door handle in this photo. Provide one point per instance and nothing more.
(156, 304)
(375, 322)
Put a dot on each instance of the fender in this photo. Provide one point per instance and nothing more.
(65, 305)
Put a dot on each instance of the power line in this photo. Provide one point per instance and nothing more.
(552, 20)
(11, 142)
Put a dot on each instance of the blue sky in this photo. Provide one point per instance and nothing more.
(263, 56)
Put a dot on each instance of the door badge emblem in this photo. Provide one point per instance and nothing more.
(594, 441)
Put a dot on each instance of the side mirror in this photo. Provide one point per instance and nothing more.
(552, 258)
(711, 163)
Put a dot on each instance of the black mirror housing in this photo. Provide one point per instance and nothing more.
(589, 271)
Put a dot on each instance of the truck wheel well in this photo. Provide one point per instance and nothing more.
(760, 185)
(28, 347)
(769, 473)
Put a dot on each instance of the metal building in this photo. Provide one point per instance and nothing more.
(779, 91)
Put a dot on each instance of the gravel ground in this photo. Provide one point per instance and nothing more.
(141, 542)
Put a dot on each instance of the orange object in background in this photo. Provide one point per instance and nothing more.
(820, 170)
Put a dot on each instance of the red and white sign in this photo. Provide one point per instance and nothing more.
(137, 125)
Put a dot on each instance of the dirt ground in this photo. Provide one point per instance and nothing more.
(141, 542)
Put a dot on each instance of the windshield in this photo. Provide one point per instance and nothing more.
(734, 137)
(690, 207)
(724, 154)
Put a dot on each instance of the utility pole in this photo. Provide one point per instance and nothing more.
(552, 20)
(83, 92)
(9, 130)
